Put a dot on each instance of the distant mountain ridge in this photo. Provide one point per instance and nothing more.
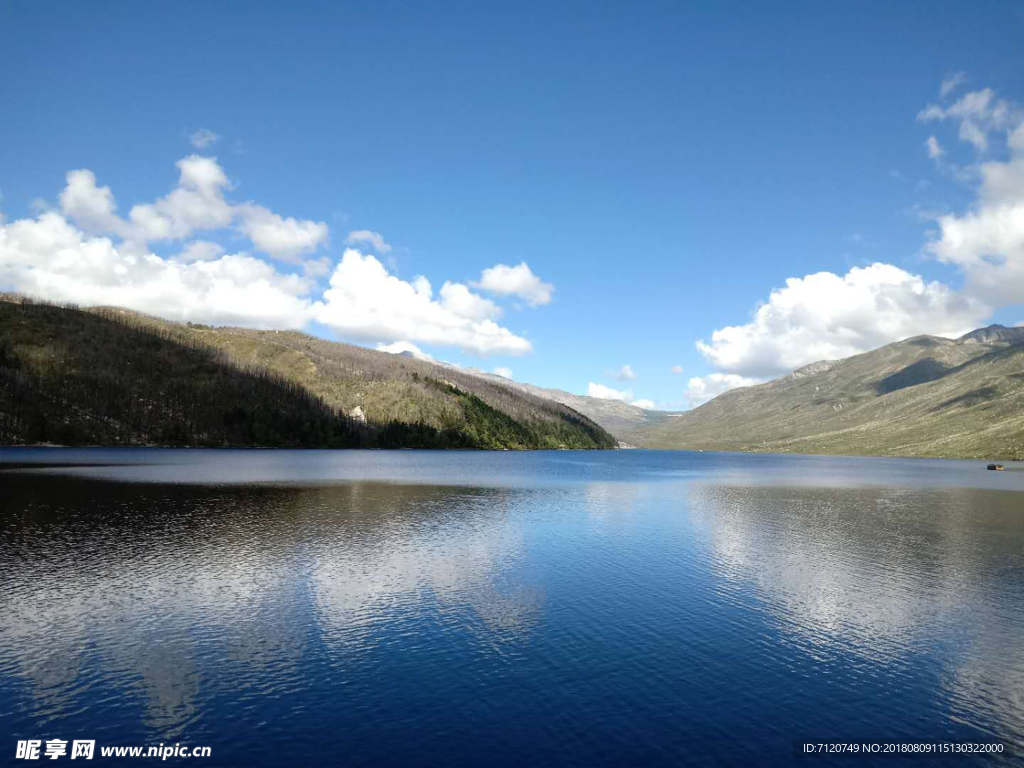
(923, 396)
(992, 334)
(621, 419)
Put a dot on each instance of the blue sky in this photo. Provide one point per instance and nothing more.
(664, 166)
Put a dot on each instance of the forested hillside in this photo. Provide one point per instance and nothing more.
(107, 376)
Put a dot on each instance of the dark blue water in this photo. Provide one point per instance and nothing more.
(477, 608)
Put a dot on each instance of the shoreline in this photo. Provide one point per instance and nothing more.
(618, 448)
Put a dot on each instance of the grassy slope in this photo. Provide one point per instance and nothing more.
(924, 396)
(111, 376)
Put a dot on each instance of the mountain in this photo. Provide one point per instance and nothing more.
(115, 377)
(626, 422)
(110, 376)
(995, 334)
(925, 396)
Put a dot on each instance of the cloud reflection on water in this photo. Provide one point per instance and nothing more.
(882, 574)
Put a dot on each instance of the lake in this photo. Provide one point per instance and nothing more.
(402, 608)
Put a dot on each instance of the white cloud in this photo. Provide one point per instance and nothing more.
(971, 132)
(48, 257)
(952, 82)
(517, 281)
(317, 268)
(281, 238)
(979, 113)
(365, 302)
(460, 301)
(621, 395)
(1015, 140)
(677, 369)
(374, 239)
(91, 206)
(104, 259)
(400, 347)
(200, 250)
(826, 316)
(203, 138)
(196, 204)
(502, 371)
(625, 373)
(986, 242)
(607, 393)
(700, 389)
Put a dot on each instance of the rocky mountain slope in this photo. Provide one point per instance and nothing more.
(925, 396)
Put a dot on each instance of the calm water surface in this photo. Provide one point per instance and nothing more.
(478, 608)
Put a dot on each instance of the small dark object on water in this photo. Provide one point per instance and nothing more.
(998, 467)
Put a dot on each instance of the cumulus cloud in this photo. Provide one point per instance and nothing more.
(364, 301)
(935, 150)
(90, 205)
(51, 258)
(625, 373)
(504, 372)
(198, 203)
(986, 242)
(203, 138)
(88, 254)
(827, 316)
(458, 299)
(200, 250)
(317, 267)
(516, 281)
(621, 395)
(405, 347)
(607, 393)
(281, 238)
(374, 239)
(700, 389)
